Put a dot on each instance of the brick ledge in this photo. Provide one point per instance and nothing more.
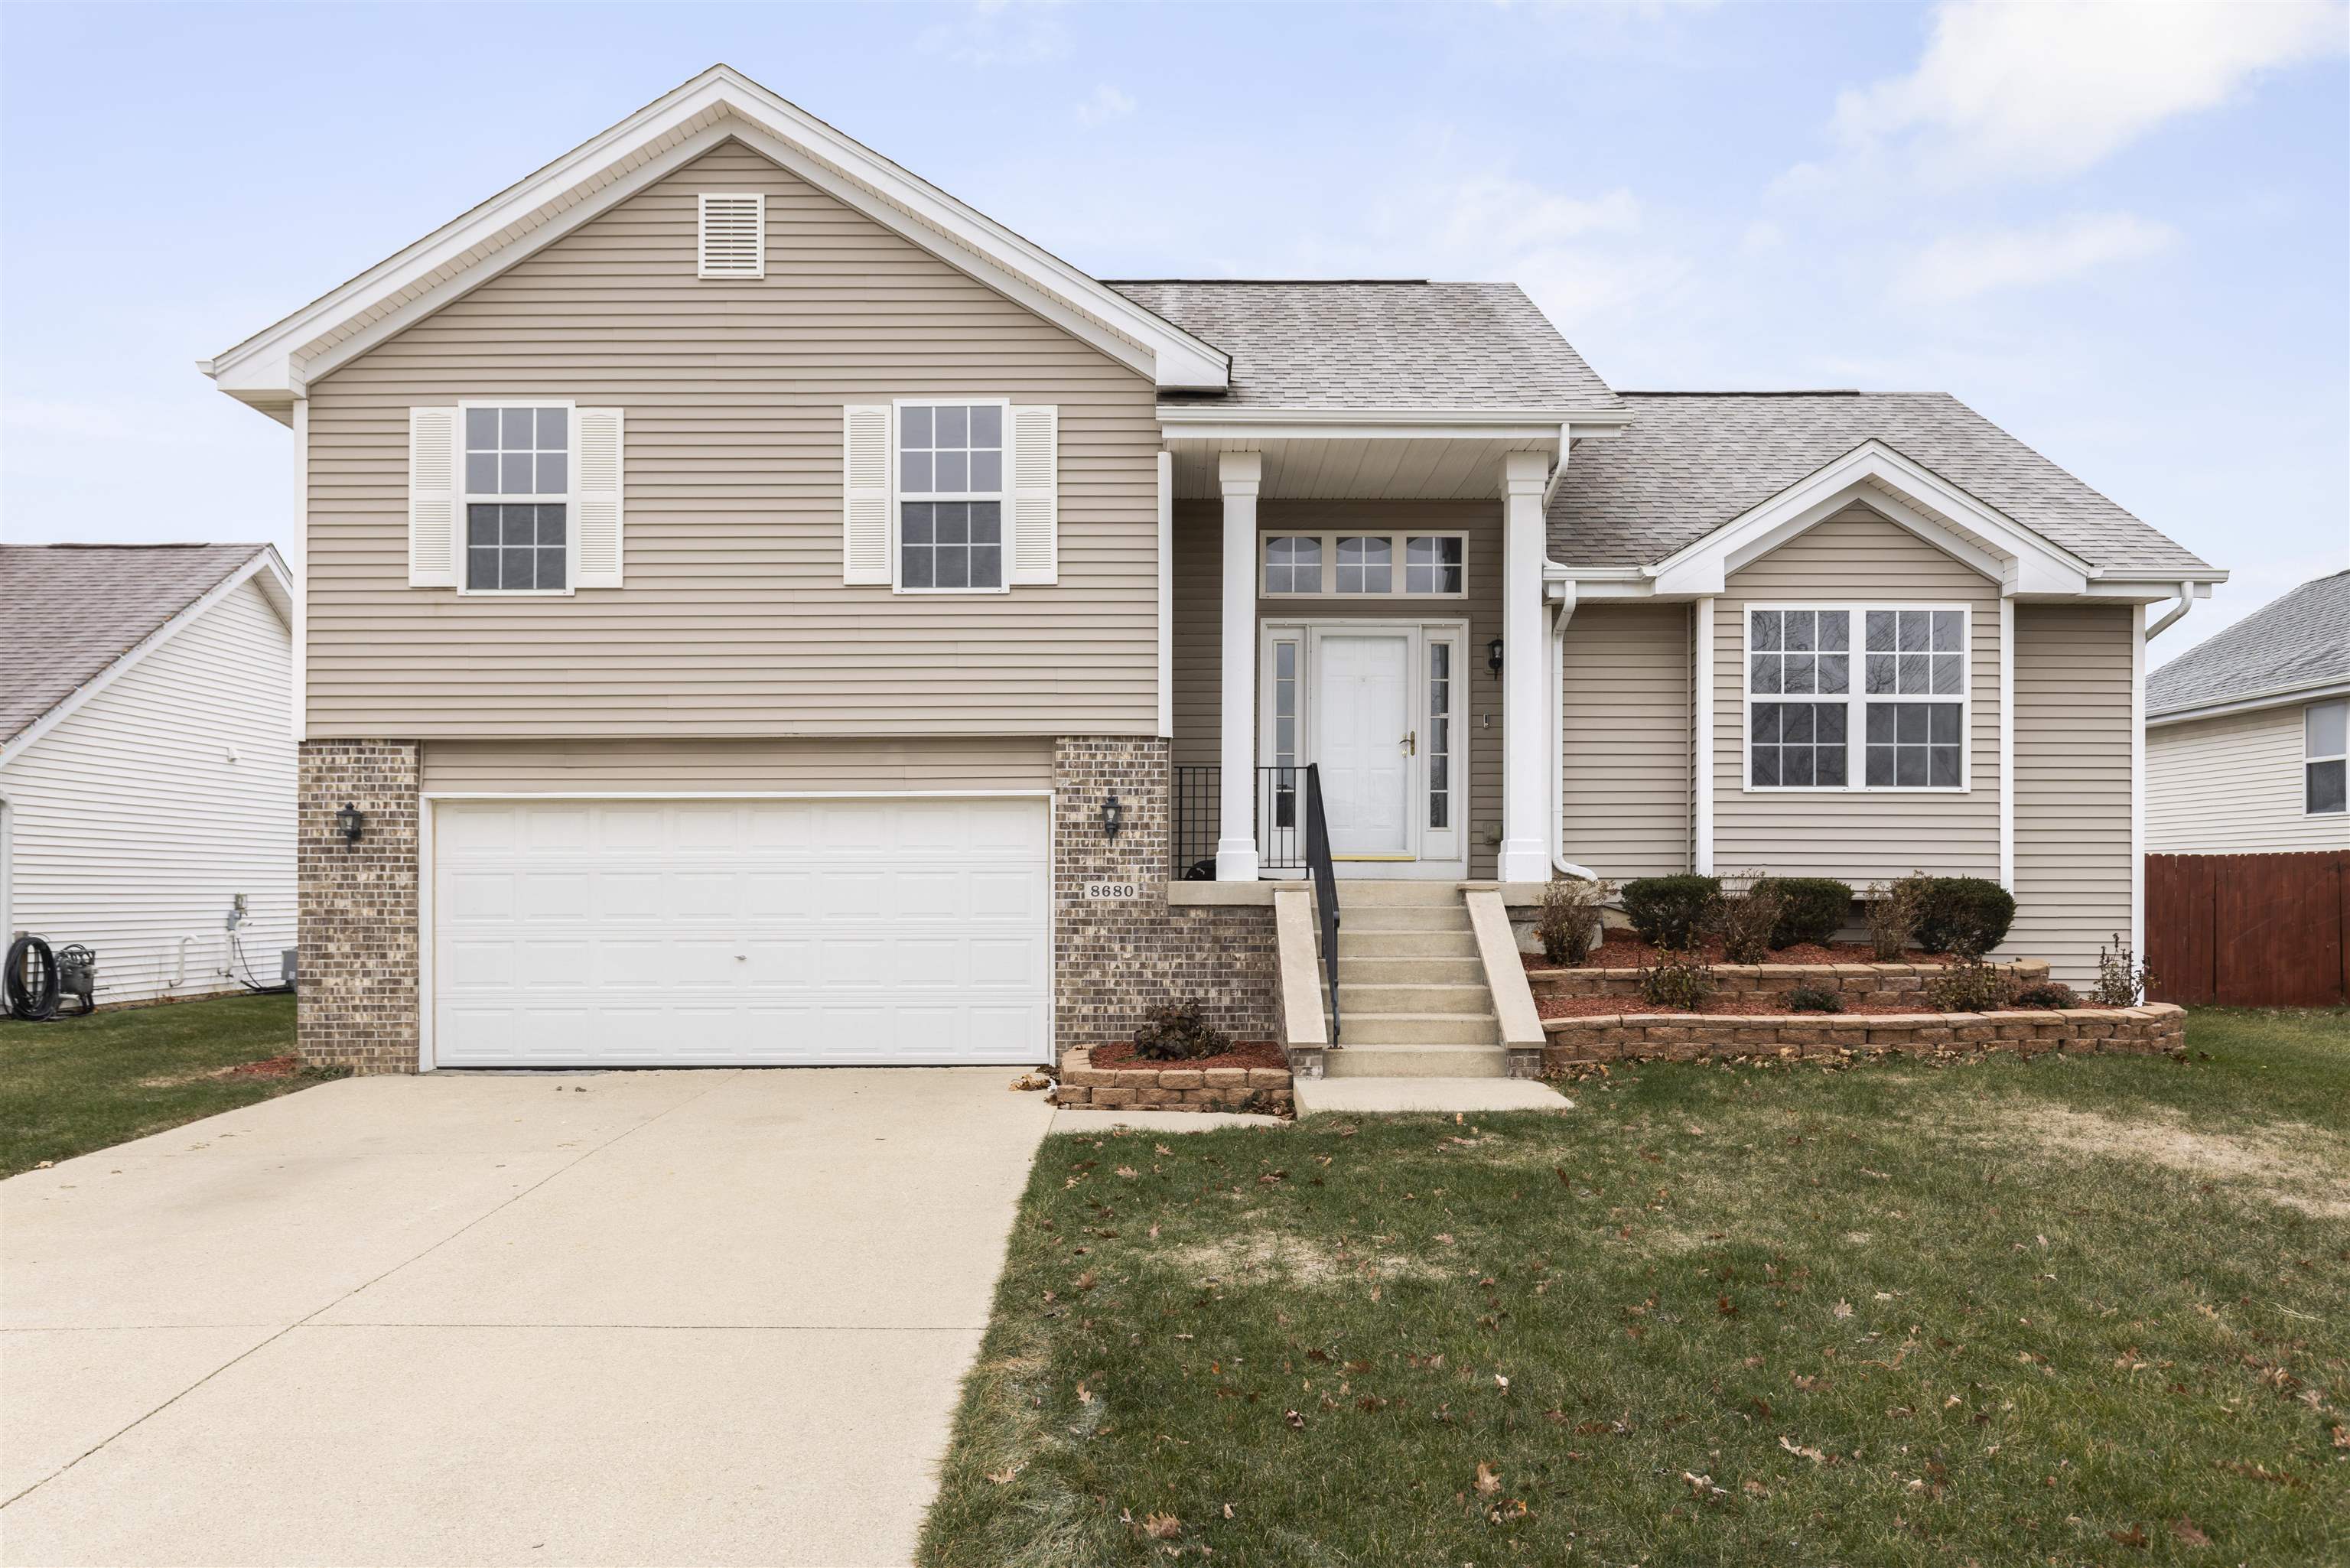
(1173, 1087)
(2158, 1026)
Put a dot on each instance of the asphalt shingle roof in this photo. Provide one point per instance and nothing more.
(1689, 462)
(68, 611)
(2295, 642)
(1406, 344)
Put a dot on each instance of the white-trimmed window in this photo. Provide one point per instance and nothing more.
(951, 497)
(1355, 566)
(2326, 758)
(516, 474)
(1901, 724)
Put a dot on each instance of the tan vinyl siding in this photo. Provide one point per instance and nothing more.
(1625, 763)
(2234, 785)
(1198, 622)
(1857, 557)
(2073, 691)
(733, 619)
(858, 766)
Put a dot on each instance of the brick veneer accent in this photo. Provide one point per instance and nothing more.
(1175, 1087)
(2158, 1026)
(355, 1006)
(1113, 960)
(1860, 984)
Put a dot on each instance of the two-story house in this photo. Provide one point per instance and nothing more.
(756, 608)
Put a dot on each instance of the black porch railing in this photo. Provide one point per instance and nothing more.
(1326, 888)
(1280, 816)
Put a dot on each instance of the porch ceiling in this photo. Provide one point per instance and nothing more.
(1360, 466)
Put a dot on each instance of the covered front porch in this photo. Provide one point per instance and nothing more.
(1358, 606)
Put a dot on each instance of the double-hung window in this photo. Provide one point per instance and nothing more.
(951, 497)
(1896, 721)
(2326, 758)
(1419, 566)
(517, 497)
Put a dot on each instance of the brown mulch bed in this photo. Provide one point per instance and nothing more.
(1622, 949)
(1732, 1007)
(1246, 1053)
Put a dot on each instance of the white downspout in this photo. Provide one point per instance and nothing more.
(2185, 602)
(1562, 612)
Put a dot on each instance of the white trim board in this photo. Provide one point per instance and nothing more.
(272, 366)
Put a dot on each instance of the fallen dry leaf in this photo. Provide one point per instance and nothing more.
(1842, 1309)
(1162, 1526)
(2134, 1536)
(1003, 1477)
(1489, 1480)
(1814, 1455)
(2184, 1528)
(1294, 1420)
(1127, 1171)
(1085, 1394)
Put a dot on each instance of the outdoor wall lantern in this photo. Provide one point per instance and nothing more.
(1113, 816)
(349, 822)
(1493, 658)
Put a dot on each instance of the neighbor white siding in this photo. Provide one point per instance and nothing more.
(2233, 785)
(136, 820)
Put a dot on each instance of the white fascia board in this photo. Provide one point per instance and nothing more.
(269, 364)
(276, 587)
(2251, 702)
(2020, 560)
(1190, 422)
(2143, 587)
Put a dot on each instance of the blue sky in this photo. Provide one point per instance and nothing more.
(2122, 232)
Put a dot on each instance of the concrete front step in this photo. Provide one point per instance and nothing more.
(1358, 1000)
(1357, 1059)
(1418, 1028)
(1373, 1097)
(1355, 944)
(1393, 969)
(1355, 894)
(1402, 916)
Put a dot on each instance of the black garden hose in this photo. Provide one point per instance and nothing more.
(34, 1000)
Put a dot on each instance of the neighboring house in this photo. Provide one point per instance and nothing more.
(2246, 733)
(147, 761)
(761, 609)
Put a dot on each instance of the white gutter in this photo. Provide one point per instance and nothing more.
(2185, 602)
(1563, 612)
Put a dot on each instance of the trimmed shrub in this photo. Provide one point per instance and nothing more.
(2054, 994)
(1892, 915)
(1744, 916)
(2122, 981)
(1815, 999)
(1811, 909)
(1971, 985)
(1677, 979)
(1176, 1032)
(1567, 922)
(1669, 911)
(1963, 915)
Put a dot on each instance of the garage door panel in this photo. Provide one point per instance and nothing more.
(869, 931)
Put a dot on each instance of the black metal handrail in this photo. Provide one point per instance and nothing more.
(1326, 886)
(1279, 820)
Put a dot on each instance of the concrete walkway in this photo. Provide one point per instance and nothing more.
(657, 1317)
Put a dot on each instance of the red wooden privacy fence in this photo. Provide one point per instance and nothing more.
(2250, 930)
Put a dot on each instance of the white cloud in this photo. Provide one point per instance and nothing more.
(994, 33)
(2043, 90)
(1960, 266)
(1108, 103)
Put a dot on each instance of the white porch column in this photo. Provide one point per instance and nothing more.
(1525, 728)
(1236, 859)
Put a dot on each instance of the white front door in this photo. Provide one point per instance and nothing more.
(1366, 745)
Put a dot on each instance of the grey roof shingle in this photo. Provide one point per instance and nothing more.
(2290, 644)
(68, 611)
(1407, 344)
(1691, 462)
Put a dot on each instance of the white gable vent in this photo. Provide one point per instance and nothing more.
(734, 234)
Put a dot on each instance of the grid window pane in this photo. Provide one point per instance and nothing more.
(1293, 565)
(1439, 735)
(1798, 745)
(950, 544)
(1915, 745)
(2324, 786)
(951, 450)
(1366, 565)
(511, 548)
(517, 452)
(1431, 565)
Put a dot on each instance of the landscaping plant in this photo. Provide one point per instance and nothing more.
(1679, 978)
(1968, 985)
(1669, 911)
(2122, 981)
(1744, 916)
(1811, 909)
(1810, 998)
(1892, 914)
(2050, 993)
(1176, 1032)
(1567, 921)
(1963, 914)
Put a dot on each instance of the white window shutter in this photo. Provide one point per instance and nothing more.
(865, 493)
(734, 234)
(597, 498)
(433, 498)
(1036, 494)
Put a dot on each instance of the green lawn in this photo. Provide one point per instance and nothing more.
(82, 1084)
(2085, 1310)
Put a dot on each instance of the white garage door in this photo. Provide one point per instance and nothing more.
(660, 933)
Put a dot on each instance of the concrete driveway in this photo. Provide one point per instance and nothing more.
(653, 1317)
